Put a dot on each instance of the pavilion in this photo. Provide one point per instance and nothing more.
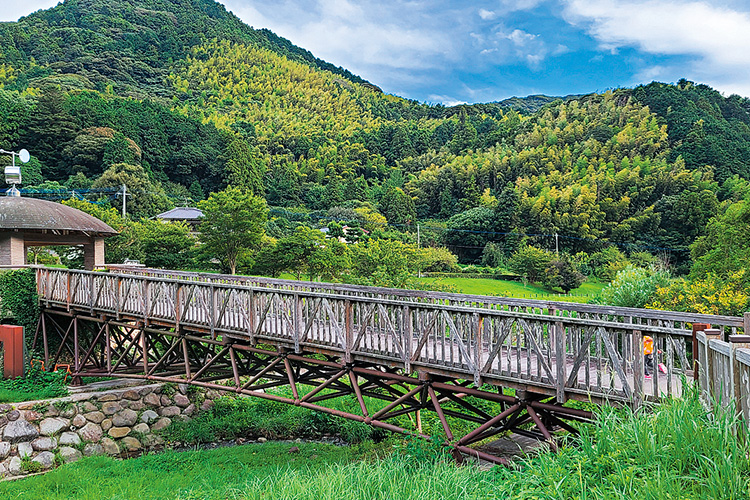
(29, 222)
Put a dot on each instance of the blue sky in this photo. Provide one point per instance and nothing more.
(462, 51)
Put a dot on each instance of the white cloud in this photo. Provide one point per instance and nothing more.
(445, 99)
(487, 15)
(388, 43)
(714, 37)
(528, 47)
(11, 10)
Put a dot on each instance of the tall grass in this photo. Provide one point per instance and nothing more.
(679, 450)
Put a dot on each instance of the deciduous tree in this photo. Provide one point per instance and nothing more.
(233, 222)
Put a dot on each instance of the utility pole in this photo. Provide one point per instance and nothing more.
(419, 268)
(124, 194)
(557, 247)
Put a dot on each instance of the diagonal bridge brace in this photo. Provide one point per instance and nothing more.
(237, 366)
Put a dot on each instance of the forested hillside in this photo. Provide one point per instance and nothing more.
(179, 98)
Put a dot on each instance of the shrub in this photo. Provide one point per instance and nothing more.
(35, 385)
(18, 297)
(562, 273)
(710, 295)
(438, 259)
(530, 262)
(633, 287)
(493, 255)
(606, 264)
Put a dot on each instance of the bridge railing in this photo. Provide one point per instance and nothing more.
(725, 370)
(578, 355)
(678, 321)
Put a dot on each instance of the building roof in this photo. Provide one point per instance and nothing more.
(30, 214)
(181, 213)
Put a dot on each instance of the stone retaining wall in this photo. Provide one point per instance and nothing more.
(38, 435)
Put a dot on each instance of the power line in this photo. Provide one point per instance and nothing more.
(473, 231)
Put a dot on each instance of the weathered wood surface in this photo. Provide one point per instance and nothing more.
(668, 319)
(724, 372)
(572, 353)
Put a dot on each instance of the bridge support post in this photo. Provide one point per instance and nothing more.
(737, 342)
(711, 334)
(697, 327)
(638, 367)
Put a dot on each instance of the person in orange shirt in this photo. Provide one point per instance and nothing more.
(648, 355)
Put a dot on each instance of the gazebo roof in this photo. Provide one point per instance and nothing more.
(29, 214)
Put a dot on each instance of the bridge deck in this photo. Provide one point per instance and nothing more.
(564, 350)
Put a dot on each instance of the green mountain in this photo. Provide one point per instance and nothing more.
(177, 98)
(128, 43)
(533, 103)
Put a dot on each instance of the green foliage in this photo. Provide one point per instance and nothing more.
(144, 198)
(606, 264)
(725, 249)
(398, 207)
(634, 287)
(231, 417)
(245, 167)
(233, 222)
(214, 474)
(35, 385)
(439, 260)
(165, 244)
(388, 263)
(531, 263)
(468, 232)
(18, 298)
(705, 128)
(710, 294)
(562, 273)
(492, 255)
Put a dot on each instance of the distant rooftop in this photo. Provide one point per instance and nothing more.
(29, 214)
(181, 213)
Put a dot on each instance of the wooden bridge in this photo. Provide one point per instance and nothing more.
(414, 350)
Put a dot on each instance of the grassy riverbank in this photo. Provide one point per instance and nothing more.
(676, 451)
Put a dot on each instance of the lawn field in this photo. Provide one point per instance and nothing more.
(504, 288)
(516, 289)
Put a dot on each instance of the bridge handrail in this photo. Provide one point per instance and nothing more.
(575, 355)
(557, 307)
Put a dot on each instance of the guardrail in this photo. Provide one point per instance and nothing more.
(725, 370)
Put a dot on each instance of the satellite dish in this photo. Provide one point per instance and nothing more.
(24, 156)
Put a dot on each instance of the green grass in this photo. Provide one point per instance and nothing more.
(481, 286)
(506, 288)
(233, 416)
(678, 451)
(35, 385)
(205, 474)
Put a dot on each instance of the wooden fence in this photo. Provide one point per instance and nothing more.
(724, 369)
